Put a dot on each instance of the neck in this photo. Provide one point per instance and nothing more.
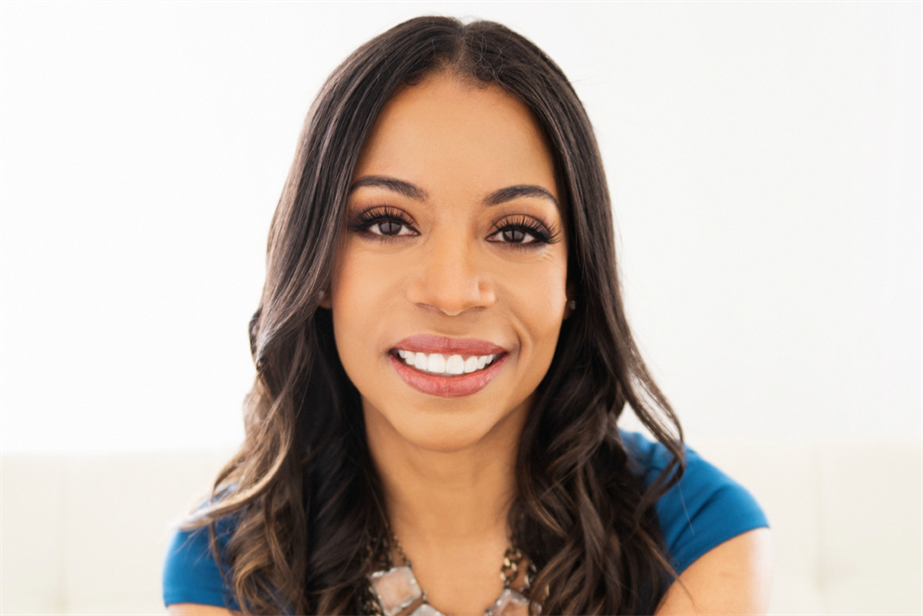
(440, 498)
(449, 509)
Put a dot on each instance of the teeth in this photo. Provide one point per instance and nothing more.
(455, 365)
(435, 363)
(440, 364)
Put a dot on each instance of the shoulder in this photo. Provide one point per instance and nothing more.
(732, 578)
(703, 510)
(197, 609)
(190, 572)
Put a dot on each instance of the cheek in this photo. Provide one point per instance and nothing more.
(359, 293)
(537, 296)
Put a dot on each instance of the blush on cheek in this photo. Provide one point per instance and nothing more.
(366, 291)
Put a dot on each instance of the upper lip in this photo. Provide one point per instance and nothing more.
(431, 343)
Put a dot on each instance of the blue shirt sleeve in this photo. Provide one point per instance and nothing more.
(190, 572)
(703, 510)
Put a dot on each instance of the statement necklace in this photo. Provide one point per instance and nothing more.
(395, 590)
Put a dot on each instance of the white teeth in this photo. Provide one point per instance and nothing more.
(435, 363)
(440, 364)
(455, 365)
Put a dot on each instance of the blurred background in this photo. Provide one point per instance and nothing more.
(765, 166)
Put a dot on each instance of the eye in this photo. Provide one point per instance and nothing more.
(522, 232)
(388, 227)
(516, 236)
(382, 222)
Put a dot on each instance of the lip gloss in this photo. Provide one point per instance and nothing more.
(448, 386)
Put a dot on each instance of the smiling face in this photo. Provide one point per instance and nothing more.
(454, 256)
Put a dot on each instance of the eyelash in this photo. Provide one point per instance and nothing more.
(372, 216)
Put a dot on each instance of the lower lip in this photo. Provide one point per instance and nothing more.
(448, 386)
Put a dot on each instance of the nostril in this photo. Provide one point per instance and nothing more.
(449, 289)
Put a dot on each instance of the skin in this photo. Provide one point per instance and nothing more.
(447, 463)
(731, 578)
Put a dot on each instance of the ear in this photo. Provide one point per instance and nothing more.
(325, 301)
(570, 291)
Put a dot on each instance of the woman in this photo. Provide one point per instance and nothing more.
(442, 356)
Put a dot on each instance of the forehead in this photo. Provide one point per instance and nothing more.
(444, 134)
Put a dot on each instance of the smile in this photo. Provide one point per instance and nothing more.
(444, 384)
(437, 363)
(447, 367)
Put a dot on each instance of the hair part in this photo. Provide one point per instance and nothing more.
(302, 488)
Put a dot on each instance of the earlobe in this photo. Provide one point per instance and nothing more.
(324, 300)
(569, 308)
(571, 303)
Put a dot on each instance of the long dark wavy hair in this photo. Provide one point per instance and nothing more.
(302, 489)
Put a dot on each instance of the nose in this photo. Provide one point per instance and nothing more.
(449, 278)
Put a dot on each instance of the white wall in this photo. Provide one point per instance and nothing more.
(764, 159)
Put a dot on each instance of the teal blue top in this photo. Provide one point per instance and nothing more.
(705, 509)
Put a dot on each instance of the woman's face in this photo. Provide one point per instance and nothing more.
(455, 257)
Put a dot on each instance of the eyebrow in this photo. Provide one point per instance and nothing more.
(517, 192)
(393, 184)
(510, 193)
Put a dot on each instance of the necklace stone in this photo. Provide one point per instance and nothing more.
(395, 591)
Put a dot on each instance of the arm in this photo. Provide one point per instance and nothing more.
(195, 609)
(732, 578)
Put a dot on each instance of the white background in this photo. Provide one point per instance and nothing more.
(764, 160)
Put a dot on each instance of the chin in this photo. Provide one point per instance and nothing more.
(445, 425)
(444, 432)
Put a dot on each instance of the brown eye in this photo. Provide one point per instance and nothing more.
(389, 227)
(383, 223)
(522, 232)
(514, 236)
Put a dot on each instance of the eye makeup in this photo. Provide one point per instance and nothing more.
(384, 219)
(515, 230)
(387, 223)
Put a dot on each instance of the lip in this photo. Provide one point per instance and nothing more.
(449, 386)
(430, 343)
